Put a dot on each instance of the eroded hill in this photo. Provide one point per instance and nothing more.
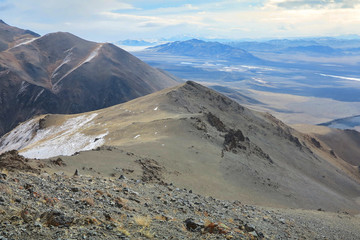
(61, 73)
(199, 139)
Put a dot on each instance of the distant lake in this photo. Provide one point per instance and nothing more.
(344, 123)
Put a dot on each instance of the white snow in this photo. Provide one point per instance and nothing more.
(37, 96)
(155, 109)
(23, 86)
(137, 136)
(27, 41)
(65, 145)
(93, 54)
(52, 141)
(341, 77)
(259, 80)
(66, 60)
(242, 68)
(19, 137)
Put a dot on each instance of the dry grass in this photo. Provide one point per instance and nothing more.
(147, 233)
(206, 214)
(123, 231)
(230, 220)
(5, 189)
(121, 202)
(142, 221)
(160, 217)
(90, 220)
(89, 201)
(99, 192)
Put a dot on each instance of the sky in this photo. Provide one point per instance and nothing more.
(113, 20)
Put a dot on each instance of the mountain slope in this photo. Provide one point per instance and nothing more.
(352, 122)
(12, 36)
(61, 73)
(198, 139)
(346, 143)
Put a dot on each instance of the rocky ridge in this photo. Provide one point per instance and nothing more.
(60, 206)
(179, 132)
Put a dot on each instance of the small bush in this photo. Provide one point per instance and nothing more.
(142, 221)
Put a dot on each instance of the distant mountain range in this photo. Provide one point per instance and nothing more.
(131, 42)
(243, 51)
(325, 45)
(201, 49)
(62, 73)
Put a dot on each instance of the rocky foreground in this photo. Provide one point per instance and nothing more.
(38, 205)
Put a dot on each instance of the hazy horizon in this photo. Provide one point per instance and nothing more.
(113, 20)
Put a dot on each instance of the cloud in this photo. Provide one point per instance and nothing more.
(55, 10)
(113, 20)
(311, 4)
(4, 7)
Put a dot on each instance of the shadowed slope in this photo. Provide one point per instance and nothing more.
(61, 73)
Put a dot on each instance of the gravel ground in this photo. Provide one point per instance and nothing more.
(56, 206)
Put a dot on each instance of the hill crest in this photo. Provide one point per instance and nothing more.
(248, 156)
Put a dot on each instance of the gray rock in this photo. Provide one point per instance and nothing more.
(249, 227)
(254, 234)
(193, 226)
(56, 218)
(122, 177)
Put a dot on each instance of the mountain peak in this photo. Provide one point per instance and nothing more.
(195, 40)
(74, 74)
(61, 35)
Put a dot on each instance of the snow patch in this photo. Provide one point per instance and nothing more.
(259, 80)
(155, 109)
(19, 137)
(24, 42)
(23, 87)
(66, 60)
(341, 77)
(52, 141)
(93, 54)
(137, 136)
(39, 95)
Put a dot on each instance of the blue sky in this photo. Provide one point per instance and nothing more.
(112, 20)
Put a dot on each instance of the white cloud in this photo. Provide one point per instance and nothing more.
(112, 20)
(311, 4)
